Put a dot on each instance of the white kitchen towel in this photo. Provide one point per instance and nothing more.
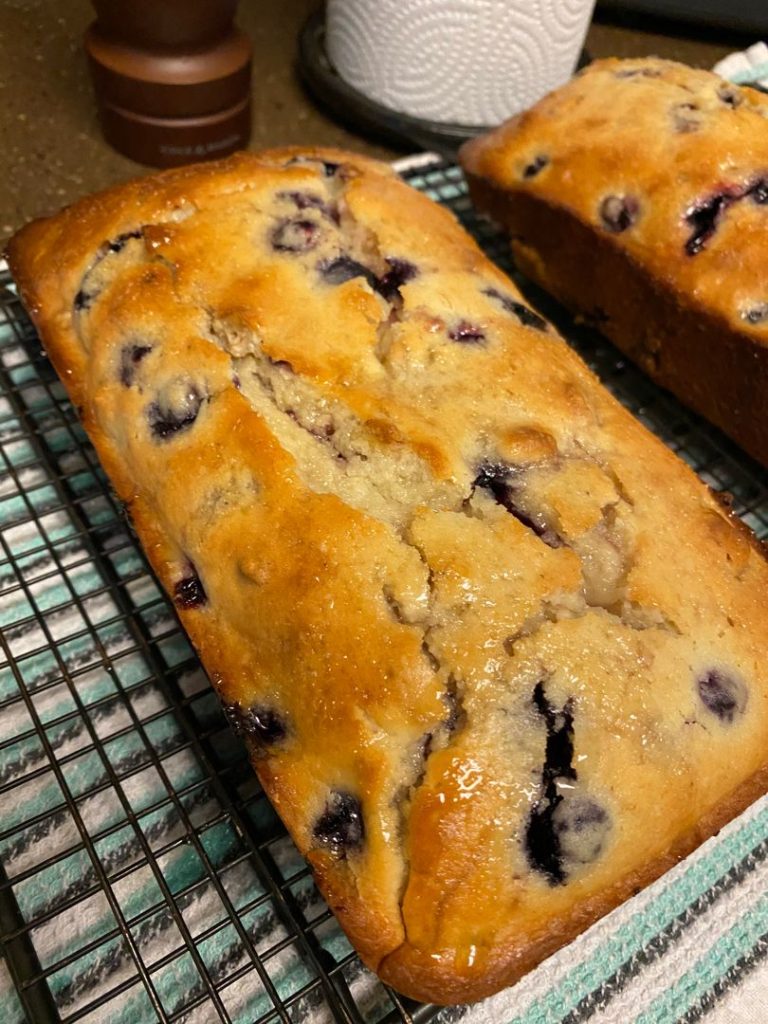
(748, 67)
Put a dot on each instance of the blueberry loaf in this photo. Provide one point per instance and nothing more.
(491, 646)
(638, 195)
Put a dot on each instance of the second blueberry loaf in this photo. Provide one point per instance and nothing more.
(498, 655)
(637, 194)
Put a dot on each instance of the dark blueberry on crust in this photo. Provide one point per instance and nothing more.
(757, 314)
(637, 73)
(176, 409)
(329, 168)
(344, 268)
(537, 164)
(729, 95)
(618, 213)
(559, 723)
(542, 837)
(525, 315)
(500, 481)
(758, 192)
(83, 300)
(258, 722)
(86, 295)
(189, 592)
(296, 235)
(340, 828)
(684, 117)
(722, 694)
(400, 271)
(703, 219)
(466, 333)
(130, 357)
(116, 244)
(312, 201)
(304, 200)
(580, 826)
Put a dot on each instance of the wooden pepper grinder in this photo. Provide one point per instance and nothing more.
(172, 78)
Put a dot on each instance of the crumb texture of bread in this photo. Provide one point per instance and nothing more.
(498, 656)
(637, 194)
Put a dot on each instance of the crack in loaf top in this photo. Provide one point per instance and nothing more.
(491, 646)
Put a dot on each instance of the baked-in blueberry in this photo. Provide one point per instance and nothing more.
(581, 826)
(542, 838)
(537, 164)
(704, 216)
(312, 201)
(723, 694)
(176, 408)
(344, 268)
(304, 200)
(729, 95)
(756, 314)
(258, 722)
(559, 723)
(466, 333)
(88, 292)
(341, 828)
(117, 244)
(637, 73)
(189, 591)
(525, 315)
(703, 219)
(758, 191)
(329, 168)
(296, 235)
(130, 357)
(83, 299)
(399, 273)
(504, 482)
(617, 213)
(684, 117)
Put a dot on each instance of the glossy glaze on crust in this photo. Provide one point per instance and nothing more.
(491, 645)
(647, 215)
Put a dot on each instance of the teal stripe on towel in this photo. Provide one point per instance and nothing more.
(673, 899)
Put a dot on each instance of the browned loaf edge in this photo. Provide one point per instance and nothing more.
(710, 359)
(469, 915)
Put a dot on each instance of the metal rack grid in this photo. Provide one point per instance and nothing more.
(144, 874)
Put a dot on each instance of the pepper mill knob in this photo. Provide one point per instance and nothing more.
(172, 79)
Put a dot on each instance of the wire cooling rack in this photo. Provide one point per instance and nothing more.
(143, 874)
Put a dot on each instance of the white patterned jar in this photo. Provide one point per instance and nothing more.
(469, 62)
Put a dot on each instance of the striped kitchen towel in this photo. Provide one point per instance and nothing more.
(145, 877)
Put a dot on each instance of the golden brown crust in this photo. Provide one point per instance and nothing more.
(467, 612)
(683, 156)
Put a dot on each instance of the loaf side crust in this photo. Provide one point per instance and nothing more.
(490, 643)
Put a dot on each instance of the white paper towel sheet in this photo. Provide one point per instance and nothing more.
(472, 62)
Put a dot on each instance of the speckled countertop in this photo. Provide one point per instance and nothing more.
(51, 151)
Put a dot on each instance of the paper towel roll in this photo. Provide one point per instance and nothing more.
(472, 62)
